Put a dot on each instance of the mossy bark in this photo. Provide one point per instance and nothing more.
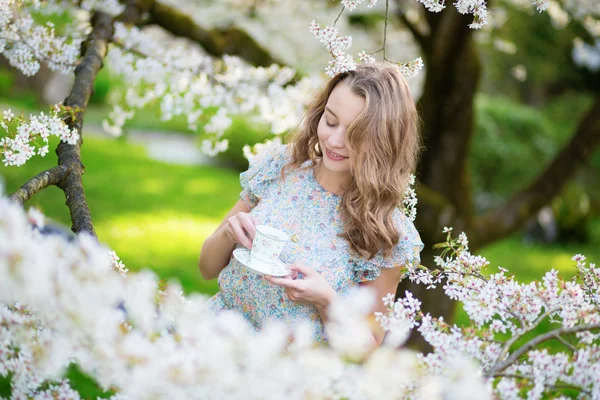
(42, 180)
(95, 49)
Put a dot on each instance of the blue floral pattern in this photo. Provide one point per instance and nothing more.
(309, 214)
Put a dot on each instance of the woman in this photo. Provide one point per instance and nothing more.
(336, 191)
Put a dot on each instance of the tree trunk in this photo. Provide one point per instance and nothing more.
(447, 110)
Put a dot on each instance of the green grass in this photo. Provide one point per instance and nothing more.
(154, 215)
(531, 262)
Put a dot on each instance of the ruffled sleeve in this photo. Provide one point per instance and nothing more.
(406, 252)
(264, 170)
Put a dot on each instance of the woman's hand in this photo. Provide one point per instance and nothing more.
(241, 228)
(311, 289)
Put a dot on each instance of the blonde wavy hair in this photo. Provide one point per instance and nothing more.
(384, 144)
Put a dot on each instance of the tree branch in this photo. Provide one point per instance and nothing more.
(42, 180)
(432, 197)
(499, 367)
(557, 387)
(565, 343)
(421, 38)
(523, 332)
(216, 42)
(69, 156)
(512, 215)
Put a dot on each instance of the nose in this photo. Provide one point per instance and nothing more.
(337, 139)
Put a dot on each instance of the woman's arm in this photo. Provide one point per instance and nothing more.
(385, 283)
(314, 289)
(217, 248)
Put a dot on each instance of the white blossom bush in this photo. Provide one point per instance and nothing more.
(503, 316)
(65, 302)
(185, 81)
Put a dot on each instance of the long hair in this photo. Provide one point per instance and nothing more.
(384, 143)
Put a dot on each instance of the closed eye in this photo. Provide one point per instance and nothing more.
(329, 125)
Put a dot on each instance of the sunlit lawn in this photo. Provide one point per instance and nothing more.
(532, 262)
(154, 215)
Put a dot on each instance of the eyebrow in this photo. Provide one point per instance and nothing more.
(329, 109)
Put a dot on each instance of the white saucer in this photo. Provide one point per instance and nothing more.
(243, 256)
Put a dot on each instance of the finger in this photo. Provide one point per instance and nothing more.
(239, 234)
(286, 283)
(247, 224)
(293, 274)
(288, 276)
(290, 295)
(303, 269)
(256, 220)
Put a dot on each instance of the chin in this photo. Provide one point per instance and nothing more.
(337, 166)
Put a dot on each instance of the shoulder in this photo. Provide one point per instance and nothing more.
(406, 229)
(264, 169)
(272, 155)
(406, 253)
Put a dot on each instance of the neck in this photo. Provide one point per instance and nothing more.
(332, 181)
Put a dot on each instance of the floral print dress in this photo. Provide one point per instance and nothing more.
(309, 214)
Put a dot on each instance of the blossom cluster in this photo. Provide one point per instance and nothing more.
(30, 137)
(409, 202)
(411, 68)
(337, 46)
(476, 7)
(25, 44)
(352, 4)
(62, 302)
(184, 81)
(586, 55)
(503, 315)
(110, 7)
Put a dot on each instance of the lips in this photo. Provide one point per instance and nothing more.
(335, 156)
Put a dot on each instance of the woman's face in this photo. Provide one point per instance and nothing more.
(343, 107)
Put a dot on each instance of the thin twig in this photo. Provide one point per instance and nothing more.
(567, 344)
(339, 15)
(387, 4)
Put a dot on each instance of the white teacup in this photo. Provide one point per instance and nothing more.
(267, 245)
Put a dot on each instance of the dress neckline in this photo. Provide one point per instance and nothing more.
(313, 176)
